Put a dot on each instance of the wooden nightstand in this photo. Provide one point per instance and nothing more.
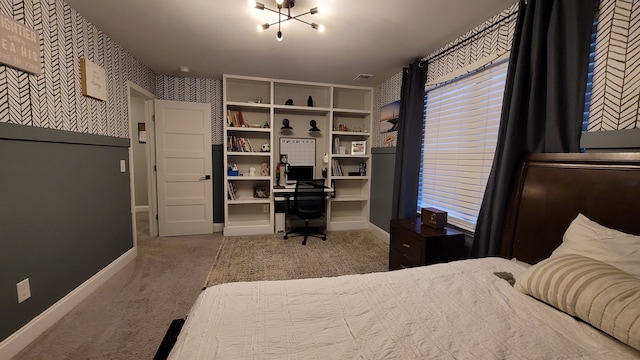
(413, 244)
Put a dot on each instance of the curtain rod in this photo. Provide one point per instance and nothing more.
(472, 37)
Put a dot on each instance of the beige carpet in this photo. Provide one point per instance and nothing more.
(251, 258)
(127, 317)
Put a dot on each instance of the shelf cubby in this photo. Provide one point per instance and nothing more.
(299, 92)
(348, 215)
(356, 123)
(244, 189)
(350, 189)
(247, 90)
(254, 117)
(352, 98)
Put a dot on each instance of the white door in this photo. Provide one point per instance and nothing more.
(183, 157)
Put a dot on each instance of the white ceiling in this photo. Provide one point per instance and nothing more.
(215, 37)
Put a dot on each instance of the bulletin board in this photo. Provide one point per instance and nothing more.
(299, 151)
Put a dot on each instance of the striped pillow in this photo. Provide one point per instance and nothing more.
(598, 293)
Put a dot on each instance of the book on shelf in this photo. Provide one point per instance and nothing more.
(232, 190)
(236, 119)
(238, 144)
(363, 169)
(241, 122)
(336, 169)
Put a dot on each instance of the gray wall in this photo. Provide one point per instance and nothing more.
(614, 140)
(383, 165)
(219, 191)
(65, 214)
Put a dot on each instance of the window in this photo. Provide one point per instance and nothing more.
(461, 120)
(592, 65)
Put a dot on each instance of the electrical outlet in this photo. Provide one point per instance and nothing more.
(265, 209)
(24, 290)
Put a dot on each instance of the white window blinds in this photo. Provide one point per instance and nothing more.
(460, 132)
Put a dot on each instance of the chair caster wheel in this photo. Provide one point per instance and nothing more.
(324, 238)
(286, 237)
(304, 242)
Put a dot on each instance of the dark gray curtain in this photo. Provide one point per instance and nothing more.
(543, 103)
(409, 141)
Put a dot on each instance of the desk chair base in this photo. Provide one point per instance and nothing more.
(305, 232)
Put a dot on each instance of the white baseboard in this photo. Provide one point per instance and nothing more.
(17, 341)
(142, 208)
(379, 233)
(218, 227)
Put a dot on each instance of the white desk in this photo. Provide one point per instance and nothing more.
(283, 192)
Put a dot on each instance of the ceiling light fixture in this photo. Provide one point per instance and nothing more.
(288, 4)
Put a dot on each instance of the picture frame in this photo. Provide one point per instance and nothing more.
(260, 192)
(358, 147)
(142, 133)
(390, 117)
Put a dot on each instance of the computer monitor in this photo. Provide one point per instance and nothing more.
(300, 172)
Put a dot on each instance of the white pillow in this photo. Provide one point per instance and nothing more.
(588, 238)
(598, 293)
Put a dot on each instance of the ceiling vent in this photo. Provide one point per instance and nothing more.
(363, 77)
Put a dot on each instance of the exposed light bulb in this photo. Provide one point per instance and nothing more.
(263, 27)
(279, 36)
(318, 27)
(279, 2)
(255, 4)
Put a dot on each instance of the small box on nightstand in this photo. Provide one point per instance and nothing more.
(434, 218)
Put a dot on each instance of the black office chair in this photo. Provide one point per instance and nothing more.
(308, 204)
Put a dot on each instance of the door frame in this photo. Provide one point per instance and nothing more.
(136, 90)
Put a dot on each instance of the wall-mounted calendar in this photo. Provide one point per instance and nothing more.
(299, 151)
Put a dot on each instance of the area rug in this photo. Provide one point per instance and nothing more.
(270, 257)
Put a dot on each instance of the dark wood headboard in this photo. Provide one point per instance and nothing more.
(552, 189)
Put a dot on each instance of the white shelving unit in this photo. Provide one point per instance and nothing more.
(244, 213)
(262, 103)
(351, 121)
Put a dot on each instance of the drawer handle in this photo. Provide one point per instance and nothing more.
(406, 245)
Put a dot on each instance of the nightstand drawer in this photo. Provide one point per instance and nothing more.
(399, 260)
(405, 242)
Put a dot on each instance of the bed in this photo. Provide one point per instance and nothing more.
(570, 224)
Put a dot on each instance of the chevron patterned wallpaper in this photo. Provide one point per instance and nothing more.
(495, 41)
(195, 90)
(615, 99)
(54, 99)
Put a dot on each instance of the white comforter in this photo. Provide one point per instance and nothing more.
(459, 310)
